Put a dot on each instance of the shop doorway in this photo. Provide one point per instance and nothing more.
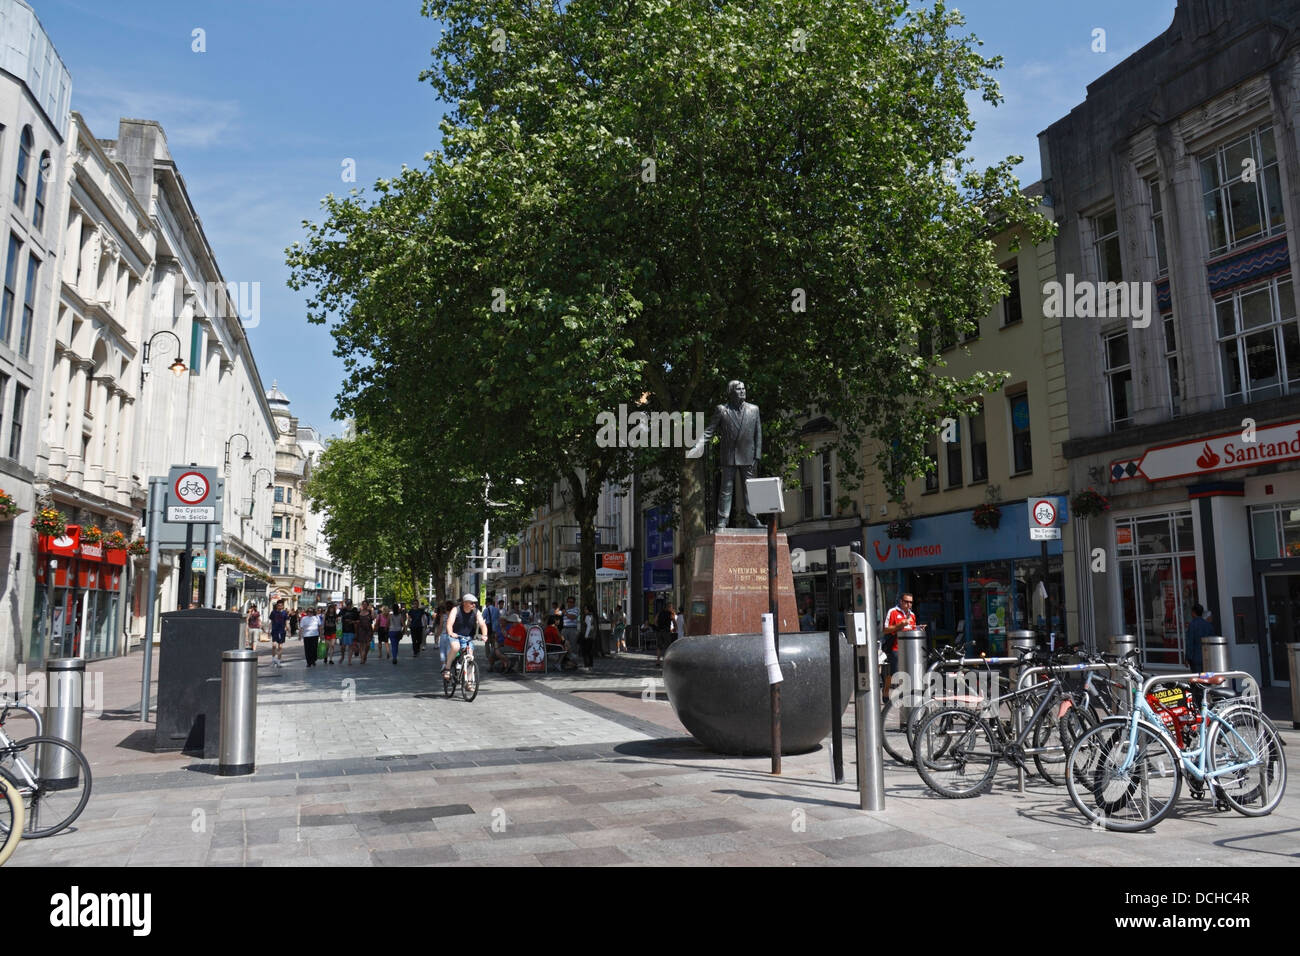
(1282, 617)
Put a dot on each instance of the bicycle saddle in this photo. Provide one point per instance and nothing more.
(1208, 680)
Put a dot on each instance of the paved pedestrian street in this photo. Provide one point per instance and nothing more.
(373, 766)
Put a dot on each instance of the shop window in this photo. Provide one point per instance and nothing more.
(1157, 583)
(1275, 530)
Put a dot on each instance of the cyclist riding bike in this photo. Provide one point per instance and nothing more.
(463, 624)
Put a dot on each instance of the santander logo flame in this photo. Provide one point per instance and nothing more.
(1208, 458)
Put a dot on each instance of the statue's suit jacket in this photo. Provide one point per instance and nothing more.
(741, 434)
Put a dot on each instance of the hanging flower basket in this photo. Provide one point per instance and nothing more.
(900, 528)
(50, 523)
(92, 535)
(114, 541)
(8, 507)
(987, 516)
(137, 547)
(1088, 503)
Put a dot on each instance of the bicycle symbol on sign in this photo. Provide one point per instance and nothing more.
(193, 488)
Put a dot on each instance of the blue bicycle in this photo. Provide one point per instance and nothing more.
(1125, 774)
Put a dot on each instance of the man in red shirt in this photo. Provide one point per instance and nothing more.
(899, 618)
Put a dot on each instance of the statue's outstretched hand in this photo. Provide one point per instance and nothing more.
(696, 450)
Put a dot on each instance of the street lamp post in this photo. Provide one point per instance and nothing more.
(177, 366)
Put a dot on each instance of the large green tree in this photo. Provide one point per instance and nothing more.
(646, 199)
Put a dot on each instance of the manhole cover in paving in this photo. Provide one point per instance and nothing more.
(396, 757)
(532, 750)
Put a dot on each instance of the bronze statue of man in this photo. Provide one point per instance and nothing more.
(740, 434)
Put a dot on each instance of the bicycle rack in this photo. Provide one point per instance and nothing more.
(1023, 682)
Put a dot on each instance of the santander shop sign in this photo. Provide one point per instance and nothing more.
(1221, 453)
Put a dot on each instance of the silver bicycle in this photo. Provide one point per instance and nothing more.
(52, 775)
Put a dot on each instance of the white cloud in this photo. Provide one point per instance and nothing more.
(190, 122)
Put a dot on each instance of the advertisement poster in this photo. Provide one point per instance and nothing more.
(535, 650)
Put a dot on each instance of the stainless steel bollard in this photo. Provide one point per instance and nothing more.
(1214, 653)
(866, 701)
(65, 678)
(1293, 656)
(238, 712)
(1121, 644)
(912, 665)
(1018, 641)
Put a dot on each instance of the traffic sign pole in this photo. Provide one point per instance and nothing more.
(156, 492)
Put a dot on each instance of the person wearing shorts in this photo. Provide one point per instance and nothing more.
(329, 631)
(349, 624)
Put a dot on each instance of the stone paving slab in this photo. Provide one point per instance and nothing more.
(563, 770)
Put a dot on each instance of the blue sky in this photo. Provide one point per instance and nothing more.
(261, 122)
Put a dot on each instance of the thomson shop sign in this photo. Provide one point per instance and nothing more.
(954, 539)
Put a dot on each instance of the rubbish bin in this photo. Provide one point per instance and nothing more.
(65, 678)
(238, 712)
(1121, 644)
(1214, 652)
(1018, 641)
(911, 664)
(190, 654)
(1293, 655)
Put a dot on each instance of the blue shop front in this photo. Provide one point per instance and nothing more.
(972, 584)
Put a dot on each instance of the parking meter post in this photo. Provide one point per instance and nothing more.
(833, 631)
(867, 729)
(774, 687)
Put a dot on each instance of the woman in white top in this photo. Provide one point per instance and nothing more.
(309, 629)
(588, 639)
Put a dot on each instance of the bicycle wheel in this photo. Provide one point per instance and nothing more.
(894, 733)
(12, 817)
(62, 782)
(1247, 738)
(469, 680)
(449, 683)
(1122, 784)
(1060, 731)
(955, 753)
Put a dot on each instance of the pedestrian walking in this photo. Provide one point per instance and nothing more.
(419, 623)
(279, 631)
(330, 628)
(396, 624)
(293, 623)
(588, 639)
(663, 633)
(366, 619)
(309, 628)
(254, 621)
(570, 622)
(620, 630)
(1197, 628)
(348, 624)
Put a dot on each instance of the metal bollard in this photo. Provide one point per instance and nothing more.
(238, 712)
(1018, 641)
(63, 712)
(1121, 644)
(1293, 656)
(912, 665)
(1214, 653)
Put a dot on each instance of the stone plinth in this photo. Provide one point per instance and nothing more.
(729, 589)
